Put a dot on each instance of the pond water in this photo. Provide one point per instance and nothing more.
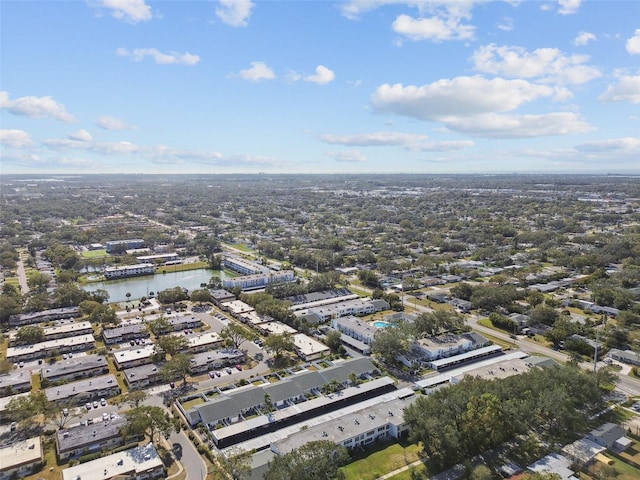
(140, 287)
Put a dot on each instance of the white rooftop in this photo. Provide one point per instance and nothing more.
(133, 461)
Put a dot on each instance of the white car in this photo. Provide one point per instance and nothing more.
(103, 402)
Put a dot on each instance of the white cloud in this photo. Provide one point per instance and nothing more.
(322, 76)
(234, 12)
(445, 146)
(373, 139)
(568, 7)
(81, 136)
(626, 90)
(112, 123)
(257, 71)
(171, 58)
(519, 126)
(35, 107)
(633, 43)
(347, 156)
(433, 28)
(12, 138)
(626, 144)
(459, 96)
(132, 11)
(583, 39)
(545, 64)
(159, 154)
(506, 25)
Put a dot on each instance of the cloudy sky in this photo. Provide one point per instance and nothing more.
(373, 86)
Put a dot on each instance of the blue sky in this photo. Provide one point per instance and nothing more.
(371, 86)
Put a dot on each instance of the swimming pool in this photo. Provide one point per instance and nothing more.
(380, 324)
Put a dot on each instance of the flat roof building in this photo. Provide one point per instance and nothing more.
(81, 391)
(42, 349)
(84, 439)
(19, 459)
(129, 271)
(309, 348)
(62, 330)
(133, 357)
(137, 463)
(16, 381)
(124, 333)
(43, 316)
(75, 368)
(142, 376)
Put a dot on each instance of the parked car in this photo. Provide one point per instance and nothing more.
(212, 374)
(103, 402)
(228, 370)
(95, 404)
(87, 405)
(239, 367)
(65, 411)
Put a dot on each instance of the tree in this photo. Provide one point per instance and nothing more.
(60, 417)
(482, 472)
(38, 281)
(369, 278)
(234, 335)
(333, 340)
(135, 397)
(30, 334)
(170, 345)
(128, 295)
(317, 460)
(172, 296)
(390, 342)
(104, 315)
(9, 305)
(69, 295)
(158, 326)
(201, 296)
(543, 314)
(535, 298)
(26, 408)
(234, 464)
(178, 367)
(147, 420)
(279, 343)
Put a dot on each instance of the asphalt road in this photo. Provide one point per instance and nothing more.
(184, 451)
(625, 384)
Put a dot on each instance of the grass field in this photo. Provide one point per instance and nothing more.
(95, 254)
(383, 458)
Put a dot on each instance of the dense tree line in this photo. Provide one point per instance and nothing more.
(478, 414)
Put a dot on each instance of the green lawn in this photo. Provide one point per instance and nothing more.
(95, 254)
(381, 459)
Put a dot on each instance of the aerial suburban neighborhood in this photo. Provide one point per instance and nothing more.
(399, 314)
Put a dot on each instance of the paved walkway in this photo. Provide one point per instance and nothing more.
(22, 278)
(417, 463)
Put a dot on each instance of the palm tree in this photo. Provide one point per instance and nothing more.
(128, 295)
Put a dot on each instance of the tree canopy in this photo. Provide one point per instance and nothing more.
(315, 460)
(477, 414)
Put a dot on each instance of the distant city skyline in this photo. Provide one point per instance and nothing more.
(358, 86)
